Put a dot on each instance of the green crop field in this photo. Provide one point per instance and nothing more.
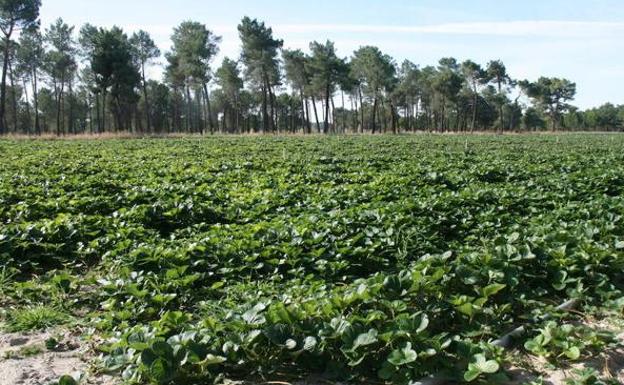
(380, 259)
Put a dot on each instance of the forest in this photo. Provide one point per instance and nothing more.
(65, 80)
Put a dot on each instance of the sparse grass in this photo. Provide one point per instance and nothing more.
(6, 277)
(35, 318)
(29, 351)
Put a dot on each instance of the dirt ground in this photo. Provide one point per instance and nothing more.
(25, 359)
(610, 364)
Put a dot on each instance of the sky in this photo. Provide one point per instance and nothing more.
(582, 40)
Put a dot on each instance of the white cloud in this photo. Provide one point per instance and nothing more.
(543, 28)
(527, 28)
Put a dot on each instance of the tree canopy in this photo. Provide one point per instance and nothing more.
(58, 79)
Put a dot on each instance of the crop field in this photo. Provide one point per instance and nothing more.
(357, 259)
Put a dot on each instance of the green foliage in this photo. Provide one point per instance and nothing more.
(35, 318)
(74, 379)
(588, 376)
(480, 366)
(566, 341)
(359, 257)
(551, 95)
(18, 14)
(6, 278)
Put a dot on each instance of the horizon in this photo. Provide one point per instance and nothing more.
(561, 39)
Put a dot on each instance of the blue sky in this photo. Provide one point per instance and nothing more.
(582, 40)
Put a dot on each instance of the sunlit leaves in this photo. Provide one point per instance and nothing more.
(361, 256)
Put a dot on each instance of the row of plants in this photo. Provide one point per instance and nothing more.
(355, 257)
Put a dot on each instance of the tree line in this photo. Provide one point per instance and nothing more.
(60, 80)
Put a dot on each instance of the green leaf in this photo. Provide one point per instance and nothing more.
(471, 375)
(403, 356)
(161, 371)
(485, 366)
(253, 317)
(532, 346)
(466, 309)
(148, 357)
(424, 323)
(490, 290)
(387, 371)
(211, 359)
(67, 380)
(162, 349)
(365, 339)
(573, 353)
(309, 344)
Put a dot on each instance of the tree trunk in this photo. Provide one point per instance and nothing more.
(56, 101)
(90, 117)
(189, 109)
(512, 121)
(272, 121)
(97, 113)
(224, 122)
(13, 97)
(374, 120)
(361, 111)
(265, 111)
(72, 126)
(117, 115)
(318, 124)
(554, 121)
(207, 95)
(393, 118)
(59, 100)
(237, 102)
(356, 113)
(36, 102)
(148, 119)
(7, 47)
(333, 116)
(326, 127)
(474, 109)
(500, 108)
(28, 114)
(62, 105)
(293, 111)
(443, 117)
(384, 118)
(200, 111)
(409, 110)
(344, 120)
(104, 110)
(306, 113)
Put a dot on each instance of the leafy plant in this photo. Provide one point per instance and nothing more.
(35, 318)
(566, 340)
(588, 376)
(480, 366)
(376, 257)
(6, 279)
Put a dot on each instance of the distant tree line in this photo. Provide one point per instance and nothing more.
(93, 80)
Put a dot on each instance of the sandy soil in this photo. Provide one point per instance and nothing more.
(610, 364)
(25, 360)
